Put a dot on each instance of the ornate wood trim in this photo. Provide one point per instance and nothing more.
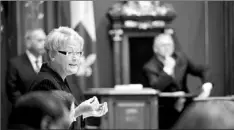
(116, 35)
(134, 18)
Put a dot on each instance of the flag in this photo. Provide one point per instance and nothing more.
(82, 21)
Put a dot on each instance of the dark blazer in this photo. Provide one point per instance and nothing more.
(20, 74)
(158, 79)
(47, 80)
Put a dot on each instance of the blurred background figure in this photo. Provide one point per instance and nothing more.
(23, 68)
(167, 71)
(213, 114)
(39, 110)
(168, 68)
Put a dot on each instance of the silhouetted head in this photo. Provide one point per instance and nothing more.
(39, 110)
(68, 99)
(213, 114)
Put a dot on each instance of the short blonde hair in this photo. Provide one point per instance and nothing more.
(58, 37)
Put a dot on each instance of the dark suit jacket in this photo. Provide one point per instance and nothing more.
(47, 80)
(158, 79)
(20, 74)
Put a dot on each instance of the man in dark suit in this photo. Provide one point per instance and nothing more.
(22, 69)
(167, 71)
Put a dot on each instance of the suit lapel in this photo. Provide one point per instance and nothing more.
(180, 68)
(155, 65)
(27, 62)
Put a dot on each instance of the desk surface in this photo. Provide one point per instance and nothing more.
(112, 91)
(144, 91)
(216, 98)
(174, 94)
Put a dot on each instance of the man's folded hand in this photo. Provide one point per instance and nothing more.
(206, 90)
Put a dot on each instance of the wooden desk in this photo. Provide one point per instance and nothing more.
(167, 107)
(128, 109)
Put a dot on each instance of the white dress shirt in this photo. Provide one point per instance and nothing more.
(33, 59)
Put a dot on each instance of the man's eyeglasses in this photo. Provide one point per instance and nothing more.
(79, 53)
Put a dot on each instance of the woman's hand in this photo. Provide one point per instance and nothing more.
(91, 107)
(101, 110)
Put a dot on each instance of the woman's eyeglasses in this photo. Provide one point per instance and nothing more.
(79, 53)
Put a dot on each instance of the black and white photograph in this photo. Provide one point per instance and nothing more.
(117, 64)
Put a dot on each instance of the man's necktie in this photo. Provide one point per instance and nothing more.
(37, 66)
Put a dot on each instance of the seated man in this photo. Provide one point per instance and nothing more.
(167, 71)
(213, 114)
(39, 110)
